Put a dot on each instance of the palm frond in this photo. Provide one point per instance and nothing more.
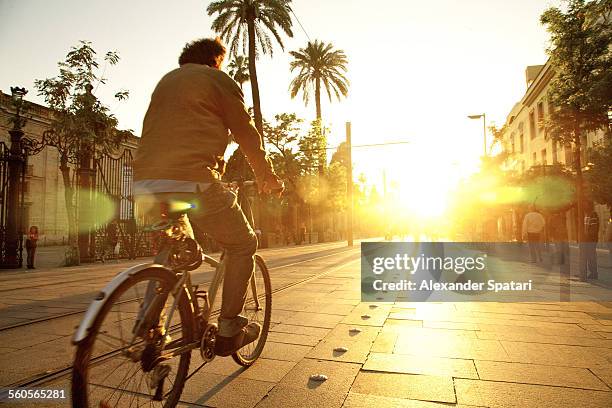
(319, 61)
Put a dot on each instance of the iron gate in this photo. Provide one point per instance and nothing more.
(116, 229)
(5, 159)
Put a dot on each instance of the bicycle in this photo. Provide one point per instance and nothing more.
(160, 318)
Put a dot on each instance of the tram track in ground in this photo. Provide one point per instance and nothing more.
(49, 376)
(72, 312)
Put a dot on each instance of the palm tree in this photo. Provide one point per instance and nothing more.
(319, 64)
(239, 69)
(258, 17)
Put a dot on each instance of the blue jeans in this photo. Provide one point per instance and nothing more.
(217, 213)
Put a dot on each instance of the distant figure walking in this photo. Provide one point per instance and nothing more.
(591, 236)
(112, 239)
(31, 244)
(533, 225)
(558, 235)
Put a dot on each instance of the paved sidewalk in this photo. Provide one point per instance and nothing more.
(414, 354)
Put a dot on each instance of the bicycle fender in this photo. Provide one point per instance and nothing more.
(101, 298)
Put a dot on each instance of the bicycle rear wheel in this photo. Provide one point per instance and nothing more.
(115, 368)
(257, 309)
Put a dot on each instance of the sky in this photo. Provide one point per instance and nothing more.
(417, 68)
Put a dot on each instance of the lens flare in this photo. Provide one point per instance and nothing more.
(180, 206)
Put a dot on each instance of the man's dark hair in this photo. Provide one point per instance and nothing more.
(204, 51)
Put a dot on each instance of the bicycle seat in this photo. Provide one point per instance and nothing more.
(170, 213)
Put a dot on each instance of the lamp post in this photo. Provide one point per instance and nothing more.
(349, 186)
(12, 240)
(484, 128)
(86, 183)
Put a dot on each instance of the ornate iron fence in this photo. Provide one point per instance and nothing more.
(116, 230)
(5, 160)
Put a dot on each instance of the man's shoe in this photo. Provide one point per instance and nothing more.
(225, 346)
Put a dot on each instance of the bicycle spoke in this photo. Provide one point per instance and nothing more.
(115, 359)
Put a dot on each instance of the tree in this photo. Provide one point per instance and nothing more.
(244, 23)
(281, 137)
(580, 93)
(239, 69)
(598, 175)
(319, 64)
(81, 124)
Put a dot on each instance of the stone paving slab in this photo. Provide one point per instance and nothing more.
(390, 324)
(289, 338)
(313, 319)
(340, 376)
(421, 387)
(296, 389)
(334, 308)
(27, 362)
(501, 394)
(540, 338)
(318, 332)
(539, 374)
(345, 332)
(394, 363)
(355, 400)
(262, 370)
(450, 346)
(282, 396)
(26, 336)
(285, 352)
(554, 354)
(597, 327)
(604, 374)
(567, 330)
(366, 317)
(385, 342)
(356, 350)
(212, 390)
(436, 324)
(586, 319)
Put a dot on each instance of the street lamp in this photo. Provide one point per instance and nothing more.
(17, 94)
(484, 128)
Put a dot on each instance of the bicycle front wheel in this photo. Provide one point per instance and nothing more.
(113, 367)
(257, 308)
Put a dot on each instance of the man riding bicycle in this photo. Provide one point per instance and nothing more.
(180, 157)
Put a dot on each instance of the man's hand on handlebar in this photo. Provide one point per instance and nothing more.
(272, 184)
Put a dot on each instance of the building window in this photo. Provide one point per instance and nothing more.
(555, 157)
(569, 157)
(534, 159)
(522, 143)
(532, 125)
(541, 114)
(544, 159)
(551, 108)
(522, 166)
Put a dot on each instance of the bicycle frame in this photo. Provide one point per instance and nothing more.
(153, 304)
(202, 318)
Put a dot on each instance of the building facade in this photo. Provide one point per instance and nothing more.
(44, 188)
(527, 142)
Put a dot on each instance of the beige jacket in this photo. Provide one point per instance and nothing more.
(185, 130)
(533, 223)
